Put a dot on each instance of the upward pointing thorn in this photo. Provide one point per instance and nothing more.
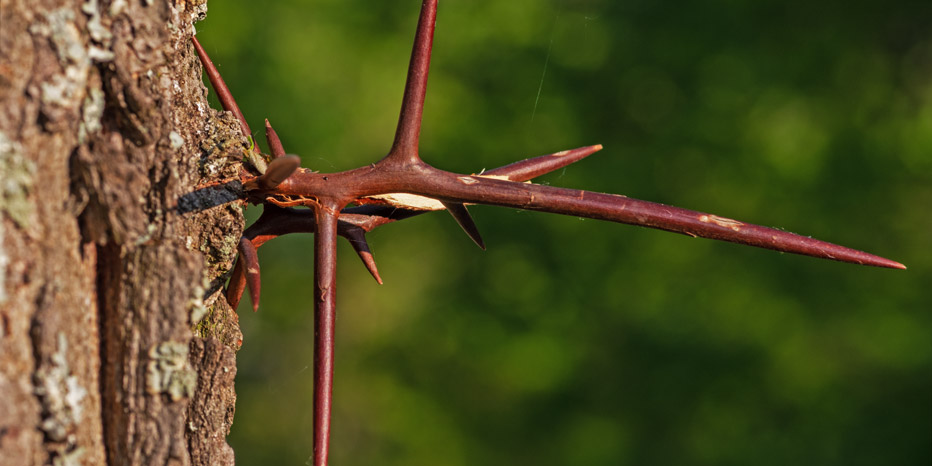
(532, 168)
(275, 144)
(404, 149)
(223, 92)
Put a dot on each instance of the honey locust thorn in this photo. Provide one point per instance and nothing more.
(402, 185)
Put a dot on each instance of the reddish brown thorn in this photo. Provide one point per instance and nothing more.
(325, 265)
(578, 203)
(404, 149)
(370, 216)
(237, 285)
(462, 217)
(220, 87)
(357, 239)
(247, 252)
(275, 144)
(532, 168)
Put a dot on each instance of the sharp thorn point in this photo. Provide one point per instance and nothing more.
(275, 144)
(465, 221)
(404, 148)
(369, 262)
(528, 169)
(357, 239)
(887, 263)
(220, 87)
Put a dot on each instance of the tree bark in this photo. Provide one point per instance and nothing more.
(115, 344)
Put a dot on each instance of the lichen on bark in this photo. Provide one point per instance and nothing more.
(104, 125)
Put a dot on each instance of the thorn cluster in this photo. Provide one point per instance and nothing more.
(401, 185)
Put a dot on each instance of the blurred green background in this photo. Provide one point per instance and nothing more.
(574, 342)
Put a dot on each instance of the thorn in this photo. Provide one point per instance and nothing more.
(532, 168)
(250, 261)
(404, 148)
(275, 144)
(462, 217)
(357, 239)
(237, 284)
(325, 265)
(220, 87)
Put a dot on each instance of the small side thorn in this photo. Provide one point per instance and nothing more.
(220, 87)
(250, 262)
(357, 238)
(528, 169)
(462, 217)
(237, 285)
(275, 144)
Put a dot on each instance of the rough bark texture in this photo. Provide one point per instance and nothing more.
(114, 346)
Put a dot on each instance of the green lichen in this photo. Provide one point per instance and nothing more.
(68, 457)
(59, 26)
(65, 90)
(16, 183)
(95, 26)
(91, 112)
(227, 249)
(198, 309)
(206, 326)
(175, 140)
(168, 371)
(219, 322)
(60, 393)
(4, 262)
(117, 7)
(212, 324)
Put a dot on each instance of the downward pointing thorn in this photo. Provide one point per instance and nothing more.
(357, 238)
(462, 217)
(247, 252)
(237, 284)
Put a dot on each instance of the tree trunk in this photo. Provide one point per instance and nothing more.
(115, 345)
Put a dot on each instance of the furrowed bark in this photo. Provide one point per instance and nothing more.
(107, 356)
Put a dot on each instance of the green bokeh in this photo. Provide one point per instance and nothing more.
(575, 342)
